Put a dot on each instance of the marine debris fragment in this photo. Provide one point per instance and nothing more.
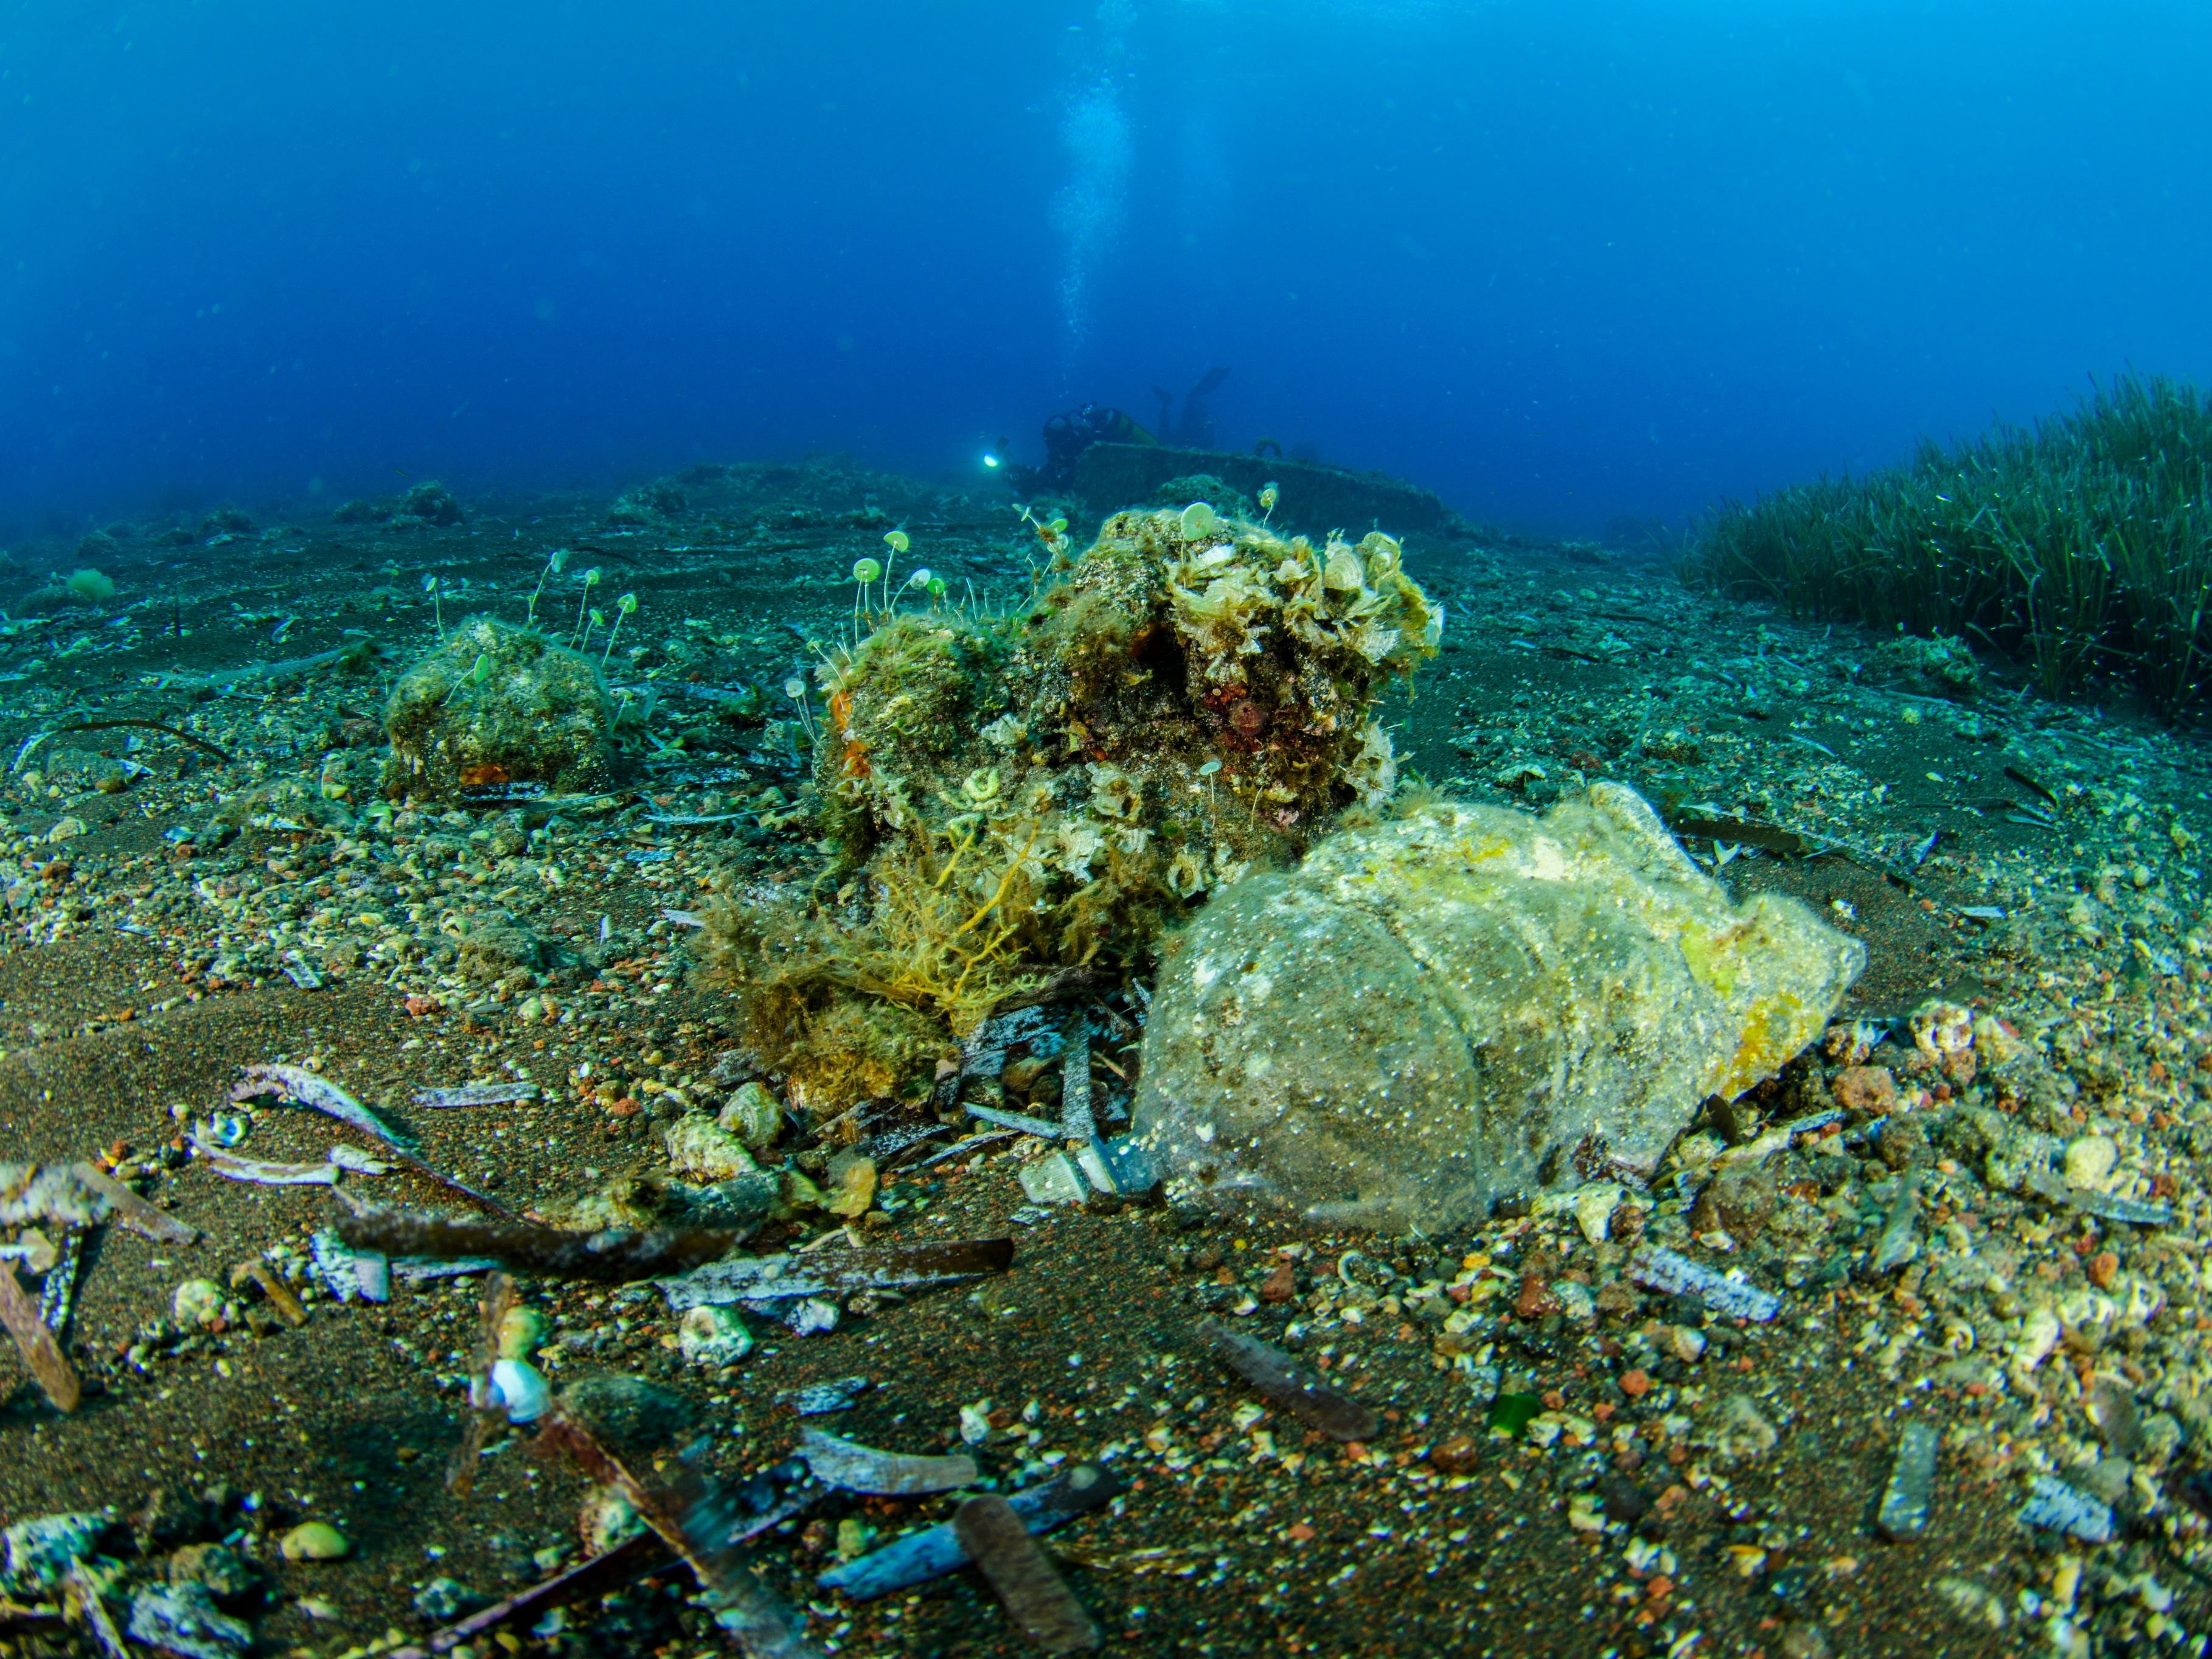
(1899, 1241)
(348, 1273)
(2055, 1505)
(2107, 1206)
(856, 1467)
(1036, 1597)
(1451, 1006)
(183, 1618)
(1077, 1490)
(613, 1257)
(820, 1399)
(1658, 1268)
(1285, 1383)
(780, 1277)
(1905, 1501)
(41, 1354)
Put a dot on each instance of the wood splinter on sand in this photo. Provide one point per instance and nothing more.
(40, 1353)
(1276, 1375)
(1036, 1597)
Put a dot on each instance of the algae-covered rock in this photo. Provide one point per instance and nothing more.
(39, 1551)
(1197, 688)
(1941, 665)
(702, 1149)
(1018, 796)
(1468, 1002)
(498, 704)
(428, 503)
(658, 1198)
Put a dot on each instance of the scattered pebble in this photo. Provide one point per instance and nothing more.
(314, 1540)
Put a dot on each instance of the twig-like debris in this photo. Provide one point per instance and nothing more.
(778, 1278)
(1278, 1377)
(150, 725)
(134, 1211)
(856, 1467)
(1741, 832)
(1658, 1269)
(485, 1418)
(1036, 1597)
(310, 1089)
(1076, 1121)
(2028, 781)
(610, 1257)
(278, 1292)
(695, 1520)
(477, 1094)
(21, 1315)
(934, 1551)
(631, 1559)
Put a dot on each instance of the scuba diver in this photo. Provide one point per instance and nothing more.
(1066, 436)
(1193, 429)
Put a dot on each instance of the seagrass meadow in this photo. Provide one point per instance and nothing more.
(2081, 546)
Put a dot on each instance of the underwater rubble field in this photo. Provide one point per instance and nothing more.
(1995, 1250)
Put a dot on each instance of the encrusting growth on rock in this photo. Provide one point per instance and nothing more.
(1012, 796)
(498, 704)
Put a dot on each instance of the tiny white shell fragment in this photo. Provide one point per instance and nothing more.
(522, 1388)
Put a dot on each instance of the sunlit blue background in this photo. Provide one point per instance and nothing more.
(1560, 259)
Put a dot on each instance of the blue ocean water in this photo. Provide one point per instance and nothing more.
(1565, 261)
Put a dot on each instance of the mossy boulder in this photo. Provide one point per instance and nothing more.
(648, 504)
(1017, 798)
(428, 503)
(497, 704)
(1941, 666)
(918, 690)
(1194, 681)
